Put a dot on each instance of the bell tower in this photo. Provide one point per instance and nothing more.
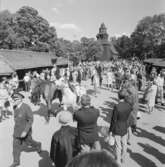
(109, 52)
(102, 35)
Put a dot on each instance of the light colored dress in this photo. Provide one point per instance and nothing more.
(110, 78)
(96, 80)
(4, 96)
(151, 95)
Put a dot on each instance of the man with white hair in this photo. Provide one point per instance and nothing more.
(63, 141)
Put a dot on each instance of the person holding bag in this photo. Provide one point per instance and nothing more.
(119, 127)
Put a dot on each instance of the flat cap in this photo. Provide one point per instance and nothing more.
(17, 95)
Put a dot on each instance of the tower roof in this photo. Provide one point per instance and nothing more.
(109, 51)
(102, 35)
(102, 26)
(102, 29)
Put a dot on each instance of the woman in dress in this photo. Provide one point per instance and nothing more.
(150, 96)
(110, 78)
(96, 82)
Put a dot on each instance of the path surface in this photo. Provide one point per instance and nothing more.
(147, 149)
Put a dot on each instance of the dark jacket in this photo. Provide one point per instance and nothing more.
(63, 146)
(23, 118)
(87, 124)
(120, 117)
(134, 101)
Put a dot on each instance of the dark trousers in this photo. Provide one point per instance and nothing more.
(100, 80)
(27, 86)
(19, 144)
(92, 79)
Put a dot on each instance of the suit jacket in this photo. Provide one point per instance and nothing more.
(63, 146)
(120, 117)
(87, 124)
(23, 118)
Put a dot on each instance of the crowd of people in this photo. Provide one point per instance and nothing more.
(80, 145)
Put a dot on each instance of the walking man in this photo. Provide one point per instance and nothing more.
(119, 126)
(23, 118)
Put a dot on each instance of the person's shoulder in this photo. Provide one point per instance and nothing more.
(93, 108)
(71, 129)
(77, 112)
(125, 104)
(57, 134)
(25, 105)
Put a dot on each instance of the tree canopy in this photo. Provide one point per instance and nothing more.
(147, 40)
(26, 29)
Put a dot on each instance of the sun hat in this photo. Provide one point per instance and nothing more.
(17, 96)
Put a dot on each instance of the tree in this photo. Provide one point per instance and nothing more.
(40, 36)
(94, 51)
(123, 45)
(26, 29)
(7, 34)
(91, 48)
(148, 36)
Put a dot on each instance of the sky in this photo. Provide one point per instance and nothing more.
(74, 19)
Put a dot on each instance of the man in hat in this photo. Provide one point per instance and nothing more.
(63, 147)
(86, 118)
(22, 136)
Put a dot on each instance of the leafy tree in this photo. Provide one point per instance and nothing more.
(7, 35)
(91, 48)
(148, 36)
(94, 51)
(26, 29)
(39, 35)
(123, 45)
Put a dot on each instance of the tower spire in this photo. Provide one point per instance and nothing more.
(102, 35)
(109, 51)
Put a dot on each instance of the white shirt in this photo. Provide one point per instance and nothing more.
(26, 78)
(59, 81)
(160, 81)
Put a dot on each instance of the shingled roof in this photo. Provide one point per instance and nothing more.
(159, 62)
(20, 59)
(5, 68)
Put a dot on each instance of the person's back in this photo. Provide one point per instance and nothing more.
(87, 119)
(62, 146)
(121, 111)
(93, 159)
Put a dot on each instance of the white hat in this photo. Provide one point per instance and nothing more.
(65, 118)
